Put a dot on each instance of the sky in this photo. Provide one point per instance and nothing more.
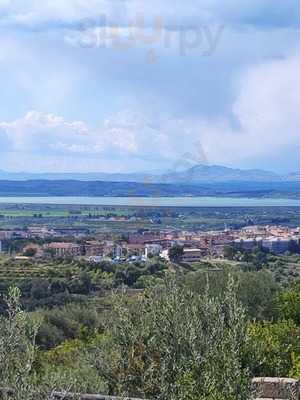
(136, 85)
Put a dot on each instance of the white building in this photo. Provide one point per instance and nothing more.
(152, 250)
(165, 254)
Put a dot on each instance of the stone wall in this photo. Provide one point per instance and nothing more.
(276, 388)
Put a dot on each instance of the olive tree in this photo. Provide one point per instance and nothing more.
(19, 377)
(17, 349)
(175, 344)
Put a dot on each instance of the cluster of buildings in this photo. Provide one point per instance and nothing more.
(73, 242)
(275, 239)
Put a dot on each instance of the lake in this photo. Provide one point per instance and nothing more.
(155, 201)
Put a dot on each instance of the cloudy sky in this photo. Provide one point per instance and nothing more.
(136, 85)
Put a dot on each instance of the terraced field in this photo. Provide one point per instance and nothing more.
(11, 269)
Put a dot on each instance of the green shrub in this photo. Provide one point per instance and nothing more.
(175, 344)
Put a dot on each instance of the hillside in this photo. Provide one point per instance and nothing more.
(134, 189)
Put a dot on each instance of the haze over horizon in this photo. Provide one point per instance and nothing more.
(101, 86)
(175, 167)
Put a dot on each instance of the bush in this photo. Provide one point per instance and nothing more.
(20, 362)
(176, 344)
(289, 303)
(70, 322)
(18, 352)
(273, 348)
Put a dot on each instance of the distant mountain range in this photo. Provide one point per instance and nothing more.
(217, 173)
(198, 174)
(198, 180)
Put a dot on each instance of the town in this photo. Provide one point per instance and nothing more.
(43, 242)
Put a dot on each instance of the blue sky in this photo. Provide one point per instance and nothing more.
(127, 85)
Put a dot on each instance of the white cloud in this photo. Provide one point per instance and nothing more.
(148, 136)
(266, 113)
(264, 120)
(124, 134)
(39, 132)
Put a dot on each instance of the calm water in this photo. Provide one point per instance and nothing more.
(155, 201)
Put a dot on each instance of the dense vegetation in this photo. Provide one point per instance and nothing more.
(194, 332)
(171, 343)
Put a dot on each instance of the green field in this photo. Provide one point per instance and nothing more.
(99, 218)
